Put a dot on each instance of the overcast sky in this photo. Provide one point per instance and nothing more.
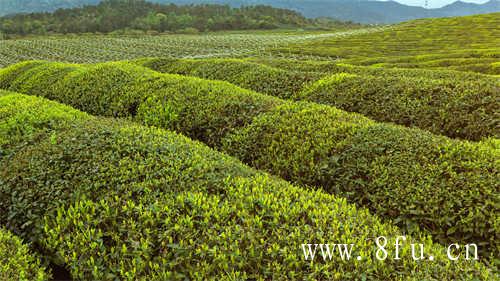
(435, 3)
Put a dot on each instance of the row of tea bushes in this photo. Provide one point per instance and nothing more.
(456, 41)
(331, 67)
(440, 104)
(465, 110)
(492, 68)
(284, 78)
(478, 65)
(108, 200)
(16, 260)
(471, 62)
(445, 186)
(249, 75)
(293, 75)
(202, 109)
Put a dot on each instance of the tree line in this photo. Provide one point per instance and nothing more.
(139, 15)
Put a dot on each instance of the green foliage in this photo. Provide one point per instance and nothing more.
(403, 174)
(409, 175)
(249, 75)
(27, 126)
(112, 200)
(464, 43)
(447, 103)
(135, 44)
(468, 44)
(337, 67)
(458, 109)
(204, 110)
(37, 77)
(128, 15)
(16, 261)
(15, 70)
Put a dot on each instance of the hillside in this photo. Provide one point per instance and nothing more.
(468, 43)
(364, 11)
(138, 15)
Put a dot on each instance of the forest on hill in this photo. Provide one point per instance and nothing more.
(139, 15)
(362, 11)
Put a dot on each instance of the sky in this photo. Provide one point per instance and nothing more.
(435, 3)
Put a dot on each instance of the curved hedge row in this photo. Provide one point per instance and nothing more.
(475, 63)
(249, 75)
(459, 110)
(492, 68)
(448, 187)
(285, 78)
(261, 74)
(16, 261)
(440, 103)
(204, 110)
(113, 200)
(375, 69)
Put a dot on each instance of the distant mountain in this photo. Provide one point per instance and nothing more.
(28, 6)
(364, 11)
(460, 8)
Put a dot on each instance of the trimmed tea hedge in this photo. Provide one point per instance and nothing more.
(448, 187)
(15, 70)
(375, 70)
(16, 261)
(458, 109)
(418, 43)
(112, 200)
(205, 110)
(303, 70)
(249, 75)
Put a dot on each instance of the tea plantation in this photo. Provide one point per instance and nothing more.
(451, 103)
(144, 166)
(463, 43)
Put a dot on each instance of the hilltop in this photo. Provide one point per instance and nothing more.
(364, 11)
(130, 16)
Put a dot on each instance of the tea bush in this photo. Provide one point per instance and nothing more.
(110, 200)
(329, 67)
(409, 175)
(476, 65)
(438, 102)
(469, 40)
(15, 70)
(456, 109)
(201, 109)
(17, 262)
(205, 110)
(258, 77)
(376, 165)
